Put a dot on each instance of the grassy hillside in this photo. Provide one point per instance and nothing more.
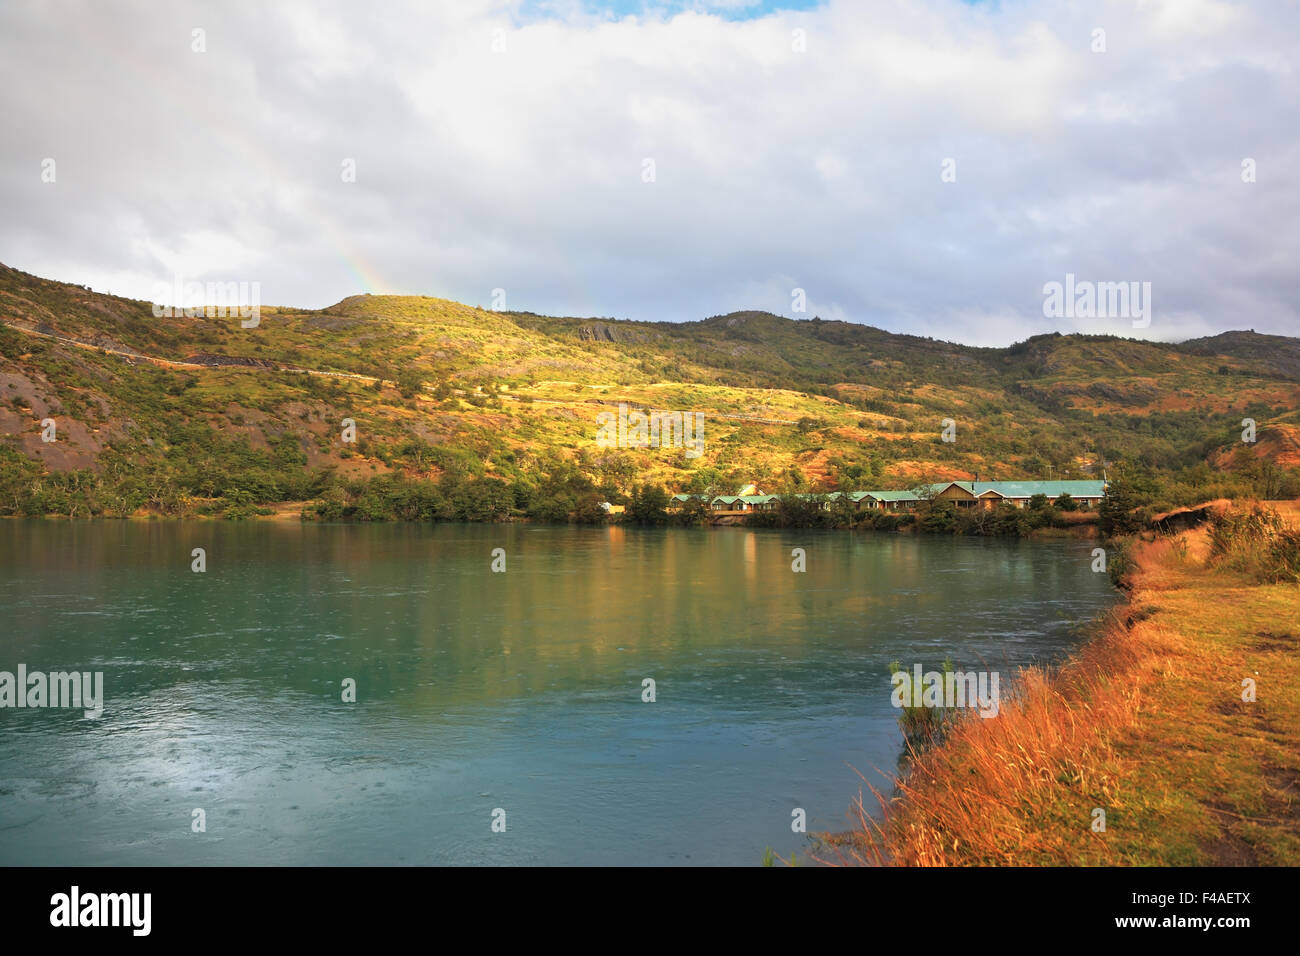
(1275, 354)
(180, 414)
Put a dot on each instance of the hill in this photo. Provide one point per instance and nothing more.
(1272, 354)
(178, 414)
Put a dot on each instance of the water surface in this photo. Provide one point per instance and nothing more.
(477, 690)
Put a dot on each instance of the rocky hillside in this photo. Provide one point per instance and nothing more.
(204, 408)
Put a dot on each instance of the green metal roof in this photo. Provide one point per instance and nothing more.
(1022, 489)
(1052, 489)
(1008, 489)
(939, 486)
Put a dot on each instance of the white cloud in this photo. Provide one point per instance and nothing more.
(523, 168)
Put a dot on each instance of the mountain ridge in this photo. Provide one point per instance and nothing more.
(435, 387)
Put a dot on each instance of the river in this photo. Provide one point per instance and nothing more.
(515, 697)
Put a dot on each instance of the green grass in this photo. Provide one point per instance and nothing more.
(1150, 722)
(511, 396)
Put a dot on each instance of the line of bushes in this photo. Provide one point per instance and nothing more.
(933, 517)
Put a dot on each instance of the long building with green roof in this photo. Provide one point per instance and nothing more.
(1086, 493)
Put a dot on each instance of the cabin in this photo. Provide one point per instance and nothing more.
(961, 493)
(893, 500)
(987, 495)
(1087, 494)
(749, 498)
(679, 501)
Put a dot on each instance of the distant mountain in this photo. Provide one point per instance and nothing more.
(208, 408)
(1277, 354)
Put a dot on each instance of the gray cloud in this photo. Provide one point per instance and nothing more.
(775, 169)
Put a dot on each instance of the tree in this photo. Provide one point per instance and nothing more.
(800, 511)
(648, 505)
(1115, 516)
(792, 482)
(844, 509)
(587, 509)
(928, 488)
(693, 511)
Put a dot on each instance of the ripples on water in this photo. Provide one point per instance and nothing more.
(477, 690)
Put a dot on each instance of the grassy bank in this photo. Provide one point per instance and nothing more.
(1147, 722)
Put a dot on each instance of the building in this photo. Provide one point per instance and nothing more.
(1087, 494)
(750, 499)
(989, 494)
(890, 500)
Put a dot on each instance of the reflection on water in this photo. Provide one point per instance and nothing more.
(478, 690)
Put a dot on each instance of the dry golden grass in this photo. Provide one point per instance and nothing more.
(1289, 510)
(1146, 722)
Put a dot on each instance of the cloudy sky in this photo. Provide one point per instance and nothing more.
(921, 165)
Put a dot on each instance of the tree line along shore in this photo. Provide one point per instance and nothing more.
(565, 494)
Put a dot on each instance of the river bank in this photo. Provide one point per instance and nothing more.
(1045, 525)
(1171, 738)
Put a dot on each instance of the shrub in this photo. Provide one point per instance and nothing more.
(794, 511)
(1008, 519)
(409, 382)
(923, 726)
(1119, 561)
(885, 521)
(939, 518)
(1256, 542)
(693, 511)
